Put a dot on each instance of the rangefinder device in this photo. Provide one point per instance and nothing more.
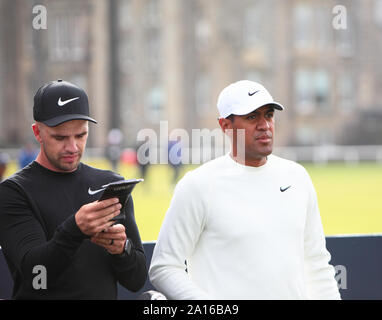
(121, 190)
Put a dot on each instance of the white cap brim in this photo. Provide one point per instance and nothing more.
(244, 97)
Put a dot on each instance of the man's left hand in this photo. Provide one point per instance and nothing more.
(112, 239)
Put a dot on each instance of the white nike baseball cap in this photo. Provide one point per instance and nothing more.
(243, 97)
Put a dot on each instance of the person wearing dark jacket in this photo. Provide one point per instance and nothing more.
(59, 241)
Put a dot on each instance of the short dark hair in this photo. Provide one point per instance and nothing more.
(231, 117)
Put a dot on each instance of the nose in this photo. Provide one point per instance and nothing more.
(263, 124)
(71, 145)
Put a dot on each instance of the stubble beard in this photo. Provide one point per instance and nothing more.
(60, 166)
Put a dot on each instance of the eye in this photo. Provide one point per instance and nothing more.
(58, 138)
(82, 135)
(252, 116)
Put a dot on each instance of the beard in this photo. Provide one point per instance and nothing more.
(57, 161)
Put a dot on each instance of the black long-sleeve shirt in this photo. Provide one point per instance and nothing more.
(37, 228)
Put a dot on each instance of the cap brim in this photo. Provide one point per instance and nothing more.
(64, 118)
(248, 110)
(277, 105)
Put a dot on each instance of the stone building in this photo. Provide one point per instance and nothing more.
(146, 61)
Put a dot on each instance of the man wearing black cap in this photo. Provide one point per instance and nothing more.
(58, 240)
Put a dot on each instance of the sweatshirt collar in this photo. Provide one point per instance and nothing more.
(231, 161)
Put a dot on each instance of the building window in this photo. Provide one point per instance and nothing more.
(378, 12)
(255, 26)
(311, 90)
(312, 28)
(311, 135)
(323, 27)
(345, 92)
(125, 18)
(153, 39)
(321, 88)
(153, 51)
(128, 114)
(303, 26)
(68, 37)
(152, 17)
(155, 104)
(303, 95)
(345, 38)
(202, 34)
(202, 28)
(305, 136)
(126, 55)
(202, 91)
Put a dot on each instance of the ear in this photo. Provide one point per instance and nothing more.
(225, 124)
(37, 132)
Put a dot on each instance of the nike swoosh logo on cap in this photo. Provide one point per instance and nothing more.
(62, 103)
(252, 93)
(284, 189)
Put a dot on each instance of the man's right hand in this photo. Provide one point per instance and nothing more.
(94, 217)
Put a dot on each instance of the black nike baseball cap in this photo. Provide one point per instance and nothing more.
(59, 101)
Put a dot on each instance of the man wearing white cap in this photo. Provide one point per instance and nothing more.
(247, 223)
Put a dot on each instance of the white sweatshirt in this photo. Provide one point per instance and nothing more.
(246, 233)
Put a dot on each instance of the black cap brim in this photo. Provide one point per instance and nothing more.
(67, 117)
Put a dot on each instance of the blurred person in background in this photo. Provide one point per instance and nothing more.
(27, 154)
(175, 158)
(4, 160)
(114, 148)
(247, 223)
(142, 158)
(50, 216)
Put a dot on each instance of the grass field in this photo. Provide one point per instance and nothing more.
(349, 196)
